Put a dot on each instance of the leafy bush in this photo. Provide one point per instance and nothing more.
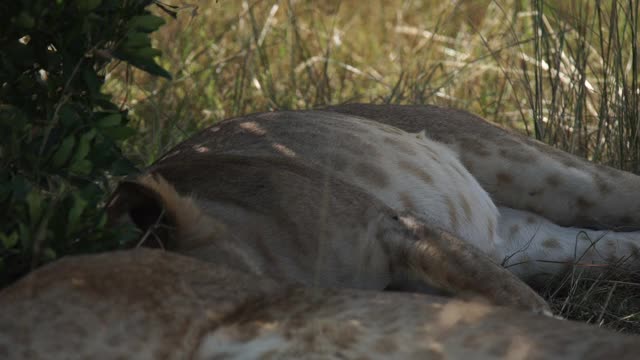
(60, 135)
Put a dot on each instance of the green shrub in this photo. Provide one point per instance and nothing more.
(60, 135)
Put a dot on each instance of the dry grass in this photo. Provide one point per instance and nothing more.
(610, 300)
(562, 71)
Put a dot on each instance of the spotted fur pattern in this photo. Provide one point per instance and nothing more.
(274, 218)
(404, 171)
(451, 168)
(556, 209)
(151, 304)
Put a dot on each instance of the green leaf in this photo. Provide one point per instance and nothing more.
(68, 116)
(81, 167)
(79, 205)
(146, 53)
(34, 203)
(87, 5)
(12, 116)
(118, 133)
(64, 151)
(136, 40)
(170, 10)
(104, 101)
(146, 23)
(25, 235)
(102, 221)
(81, 151)
(19, 187)
(151, 67)
(143, 59)
(84, 146)
(109, 121)
(49, 254)
(25, 20)
(92, 82)
(122, 167)
(9, 241)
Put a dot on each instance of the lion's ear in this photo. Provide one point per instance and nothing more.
(166, 218)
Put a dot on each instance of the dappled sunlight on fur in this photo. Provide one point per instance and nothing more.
(149, 304)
